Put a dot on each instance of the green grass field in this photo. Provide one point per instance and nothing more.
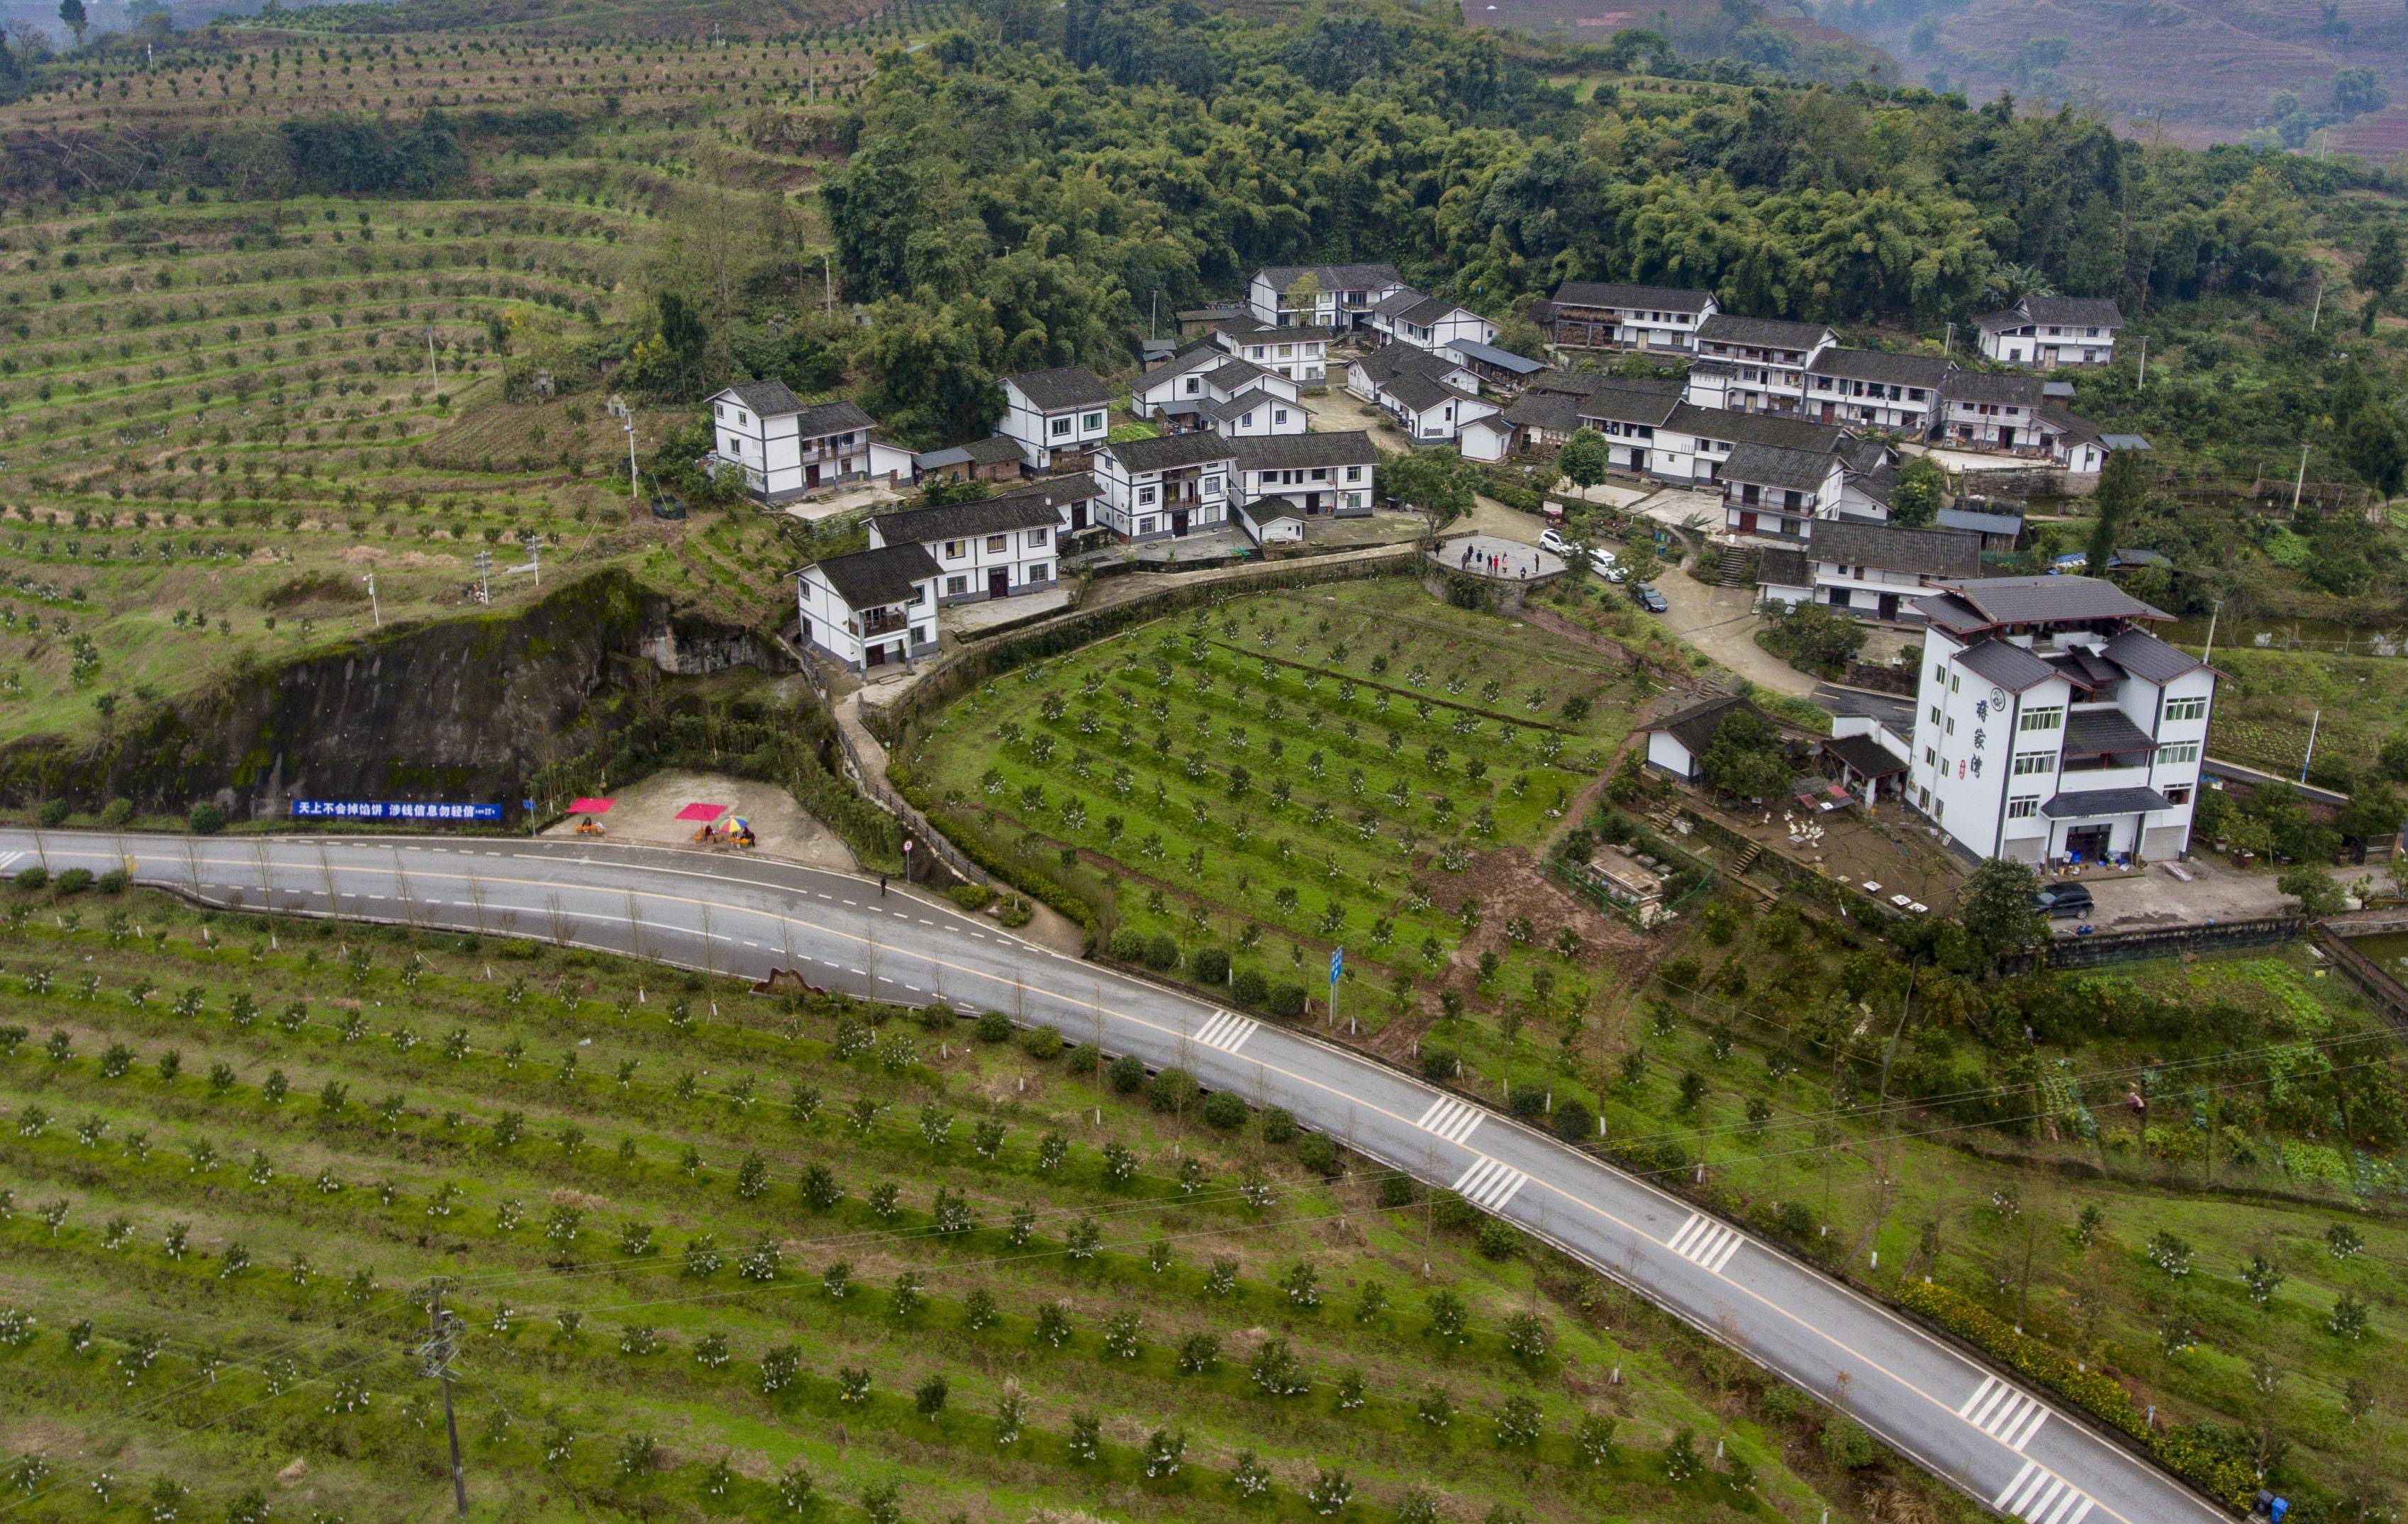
(710, 1251)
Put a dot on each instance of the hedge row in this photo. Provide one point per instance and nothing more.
(2100, 1395)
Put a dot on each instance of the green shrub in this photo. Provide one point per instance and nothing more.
(1277, 1125)
(1574, 1123)
(1127, 945)
(1015, 912)
(1528, 1102)
(113, 882)
(1172, 1091)
(1041, 1045)
(1287, 999)
(1437, 1064)
(1845, 1444)
(1397, 1190)
(51, 812)
(1453, 1212)
(1126, 1073)
(1223, 1109)
(1499, 1239)
(1316, 1152)
(116, 813)
(75, 880)
(1211, 965)
(1161, 953)
(994, 1026)
(971, 897)
(1250, 987)
(31, 877)
(1796, 1219)
(1087, 1058)
(205, 819)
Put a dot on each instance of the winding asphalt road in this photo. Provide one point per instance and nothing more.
(2000, 1442)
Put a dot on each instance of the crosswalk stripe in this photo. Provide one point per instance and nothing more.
(9, 860)
(1688, 1229)
(2006, 1414)
(1225, 1033)
(2000, 1502)
(1451, 1119)
(1488, 1184)
(2072, 1496)
(1707, 1244)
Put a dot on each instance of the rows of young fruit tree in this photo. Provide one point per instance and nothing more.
(719, 1255)
(268, 77)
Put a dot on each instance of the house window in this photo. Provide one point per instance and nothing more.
(953, 550)
(1212, 486)
(1145, 526)
(2024, 808)
(1279, 415)
(1930, 757)
(999, 543)
(721, 409)
(2185, 709)
(1145, 496)
(1039, 571)
(1093, 423)
(956, 587)
(2031, 764)
(1035, 537)
(1058, 427)
(2049, 718)
(1935, 713)
(2182, 751)
(1951, 729)
(2179, 793)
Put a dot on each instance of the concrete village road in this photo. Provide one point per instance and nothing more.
(2026, 1457)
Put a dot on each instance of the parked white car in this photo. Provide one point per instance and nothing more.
(1607, 566)
(1553, 539)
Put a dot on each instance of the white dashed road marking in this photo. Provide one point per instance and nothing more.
(1489, 1185)
(2038, 1497)
(1225, 1033)
(1451, 1119)
(1704, 1242)
(2004, 1413)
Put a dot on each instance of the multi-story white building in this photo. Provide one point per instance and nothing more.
(1754, 364)
(784, 448)
(2051, 727)
(1869, 570)
(2045, 332)
(1591, 314)
(1058, 417)
(1427, 322)
(1296, 354)
(1430, 411)
(1171, 485)
(1367, 374)
(1316, 475)
(1343, 296)
(871, 608)
(2013, 415)
(1870, 389)
(999, 547)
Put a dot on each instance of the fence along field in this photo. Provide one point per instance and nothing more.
(717, 1255)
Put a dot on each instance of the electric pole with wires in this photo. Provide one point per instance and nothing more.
(444, 1331)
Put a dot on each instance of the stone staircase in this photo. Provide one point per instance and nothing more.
(1732, 569)
(1746, 860)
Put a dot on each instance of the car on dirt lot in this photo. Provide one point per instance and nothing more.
(1645, 596)
(1551, 540)
(2058, 900)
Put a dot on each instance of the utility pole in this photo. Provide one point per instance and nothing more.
(2301, 485)
(534, 543)
(827, 284)
(435, 1357)
(2317, 312)
(2144, 363)
(1948, 345)
(484, 561)
(2312, 724)
(2214, 614)
(433, 377)
(375, 613)
(628, 422)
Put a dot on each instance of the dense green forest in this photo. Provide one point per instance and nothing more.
(1020, 196)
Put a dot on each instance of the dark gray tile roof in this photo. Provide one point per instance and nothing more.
(1078, 487)
(1982, 386)
(1620, 404)
(1246, 402)
(771, 398)
(1203, 351)
(1782, 567)
(1866, 756)
(1550, 412)
(2009, 665)
(2092, 803)
(1249, 329)
(2074, 312)
(1405, 359)
(1980, 522)
(1926, 553)
(2148, 657)
(1771, 466)
(1760, 333)
(873, 578)
(1505, 360)
(1925, 370)
(1233, 375)
(1069, 386)
(832, 418)
(994, 450)
(1644, 298)
(960, 520)
(1396, 304)
(1334, 277)
(2077, 429)
(2099, 732)
(1303, 451)
(1694, 727)
(1428, 311)
(2032, 600)
(1420, 393)
(1169, 452)
(1754, 428)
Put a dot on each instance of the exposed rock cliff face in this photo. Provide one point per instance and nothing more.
(458, 710)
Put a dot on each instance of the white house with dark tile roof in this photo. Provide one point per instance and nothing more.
(1431, 411)
(1869, 570)
(1055, 416)
(1310, 475)
(1300, 354)
(1754, 364)
(1872, 389)
(2046, 332)
(1365, 374)
(1427, 322)
(2050, 725)
(1343, 297)
(784, 447)
(998, 546)
(873, 608)
(1598, 315)
(1168, 486)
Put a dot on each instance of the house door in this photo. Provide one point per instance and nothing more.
(1826, 412)
(2088, 842)
(998, 583)
(2006, 437)
(1747, 523)
(1639, 460)
(811, 475)
(1078, 517)
(876, 656)
(1179, 521)
(1889, 605)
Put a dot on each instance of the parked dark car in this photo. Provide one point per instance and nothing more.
(1645, 596)
(2060, 900)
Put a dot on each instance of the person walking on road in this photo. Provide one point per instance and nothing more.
(882, 885)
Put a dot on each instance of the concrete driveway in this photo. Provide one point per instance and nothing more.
(1722, 623)
(2216, 891)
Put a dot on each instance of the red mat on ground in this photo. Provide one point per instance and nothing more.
(705, 813)
(590, 807)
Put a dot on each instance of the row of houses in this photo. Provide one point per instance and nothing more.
(2041, 332)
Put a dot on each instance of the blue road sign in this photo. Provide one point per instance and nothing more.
(1337, 964)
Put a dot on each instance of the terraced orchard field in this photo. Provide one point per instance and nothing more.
(714, 1257)
(1283, 774)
